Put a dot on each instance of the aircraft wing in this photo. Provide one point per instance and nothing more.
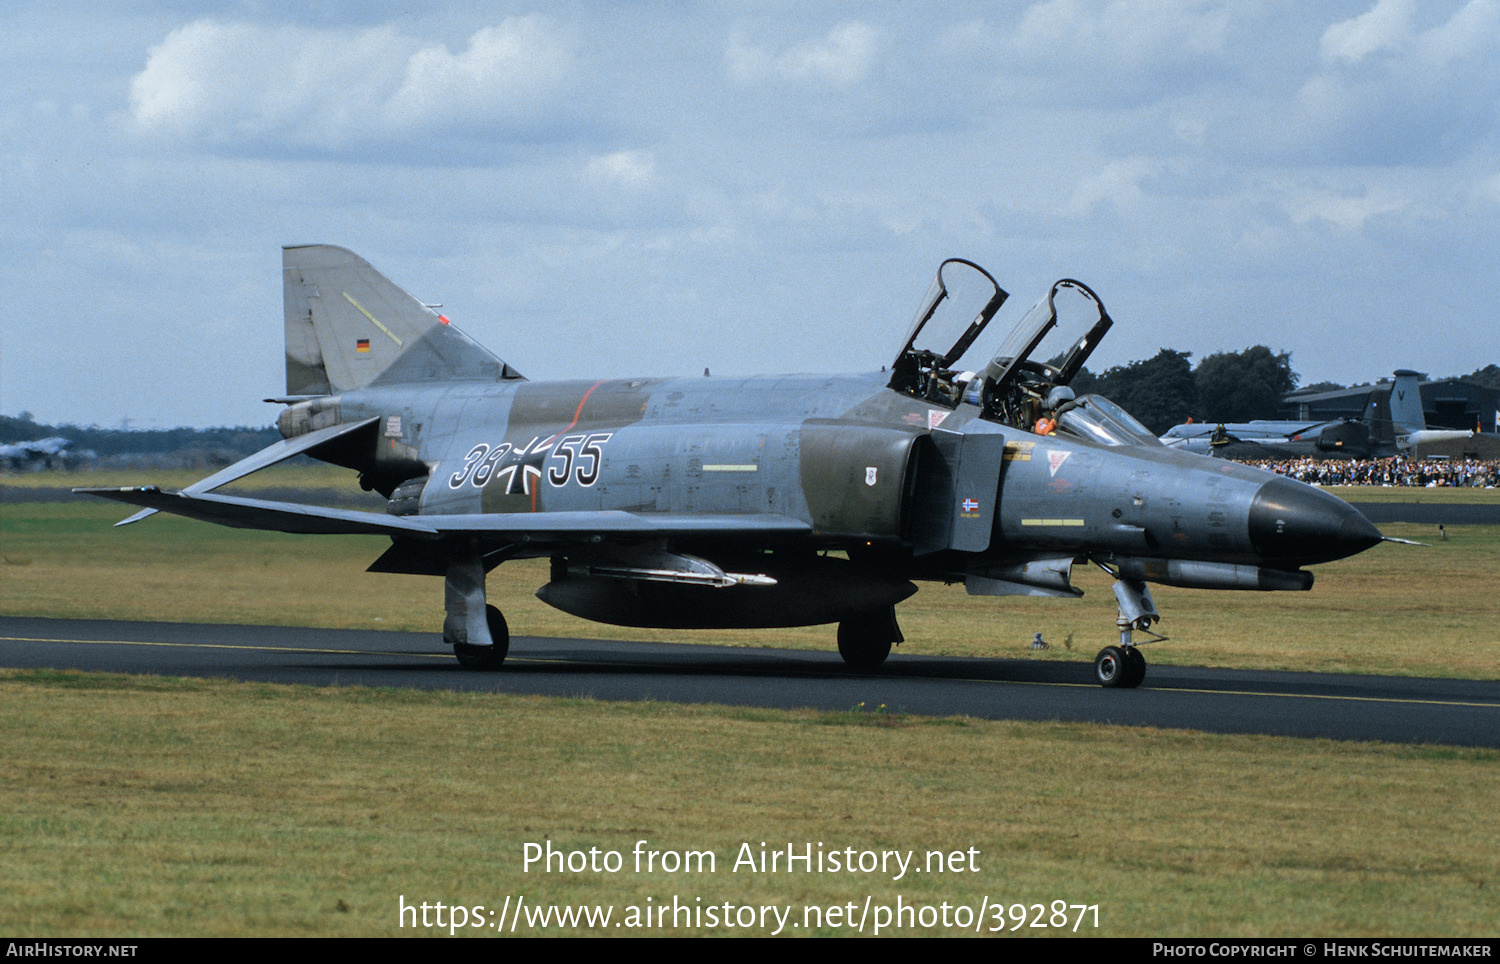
(243, 513)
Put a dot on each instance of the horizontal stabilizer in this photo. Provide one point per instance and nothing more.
(243, 513)
(265, 458)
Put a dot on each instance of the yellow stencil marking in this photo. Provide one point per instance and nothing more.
(373, 320)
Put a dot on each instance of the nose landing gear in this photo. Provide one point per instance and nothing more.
(1123, 666)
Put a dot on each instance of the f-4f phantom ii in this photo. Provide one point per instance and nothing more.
(758, 502)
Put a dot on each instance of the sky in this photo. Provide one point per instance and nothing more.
(654, 188)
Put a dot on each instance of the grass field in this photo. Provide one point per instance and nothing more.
(170, 807)
(300, 475)
(1434, 496)
(137, 806)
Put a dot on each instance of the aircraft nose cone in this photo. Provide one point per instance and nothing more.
(1298, 525)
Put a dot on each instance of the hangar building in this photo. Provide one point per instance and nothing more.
(1446, 403)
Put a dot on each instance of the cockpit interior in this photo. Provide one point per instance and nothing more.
(1016, 388)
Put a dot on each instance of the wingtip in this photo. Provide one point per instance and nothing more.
(136, 518)
(109, 492)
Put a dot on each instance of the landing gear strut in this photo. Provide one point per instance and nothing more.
(1123, 666)
(476, 631)
(865, 640)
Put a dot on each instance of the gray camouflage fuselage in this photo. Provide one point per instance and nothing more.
(855, 460)
(745, 502)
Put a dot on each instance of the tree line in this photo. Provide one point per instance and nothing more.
(1161, 391)
(240, 441)
(1167, 389)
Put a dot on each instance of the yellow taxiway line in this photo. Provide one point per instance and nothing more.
(538, 659)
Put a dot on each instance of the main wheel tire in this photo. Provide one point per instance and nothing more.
(1111, 668)
(864, 643)
(1135, 667)
(486, 657)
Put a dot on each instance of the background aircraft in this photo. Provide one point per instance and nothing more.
(1393, 424)
(46, 453)
(759, 502)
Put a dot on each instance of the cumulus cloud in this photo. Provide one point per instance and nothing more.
(627, 168)
(325, 88)
(1120, 50)
(1471, 32)
(1347, 210)
(1128, 30)
(1388, 26)
(1390, 92)
(516, 63)
(1489, 189)
(841, 59)
(1385, 26)
(1118, 183)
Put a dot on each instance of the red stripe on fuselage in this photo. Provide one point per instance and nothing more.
(577, 414)
(585, 398)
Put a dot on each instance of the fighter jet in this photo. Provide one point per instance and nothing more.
(765, 501)
(46, 453)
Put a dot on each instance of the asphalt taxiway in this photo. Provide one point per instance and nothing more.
(1332, 706)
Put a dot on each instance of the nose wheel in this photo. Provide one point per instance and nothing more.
(1120, 667)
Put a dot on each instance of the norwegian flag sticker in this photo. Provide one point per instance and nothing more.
(969, 505)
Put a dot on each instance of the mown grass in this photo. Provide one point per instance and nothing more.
(300, 475)
(171, 807)
(1432, 496)
(1395, 609)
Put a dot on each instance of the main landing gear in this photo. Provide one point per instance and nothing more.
(865, 640)
(486, 657)
(476, 630)
(1123, 666)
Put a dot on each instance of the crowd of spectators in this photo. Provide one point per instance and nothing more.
(1426, 473)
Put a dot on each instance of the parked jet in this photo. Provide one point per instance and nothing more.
(45, 453)
(759, 502)
(1392, 424)
(1340, 438)
(1399, 411)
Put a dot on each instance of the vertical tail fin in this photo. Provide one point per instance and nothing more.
(1378, 418)
(1406, 403)
(348, 326)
